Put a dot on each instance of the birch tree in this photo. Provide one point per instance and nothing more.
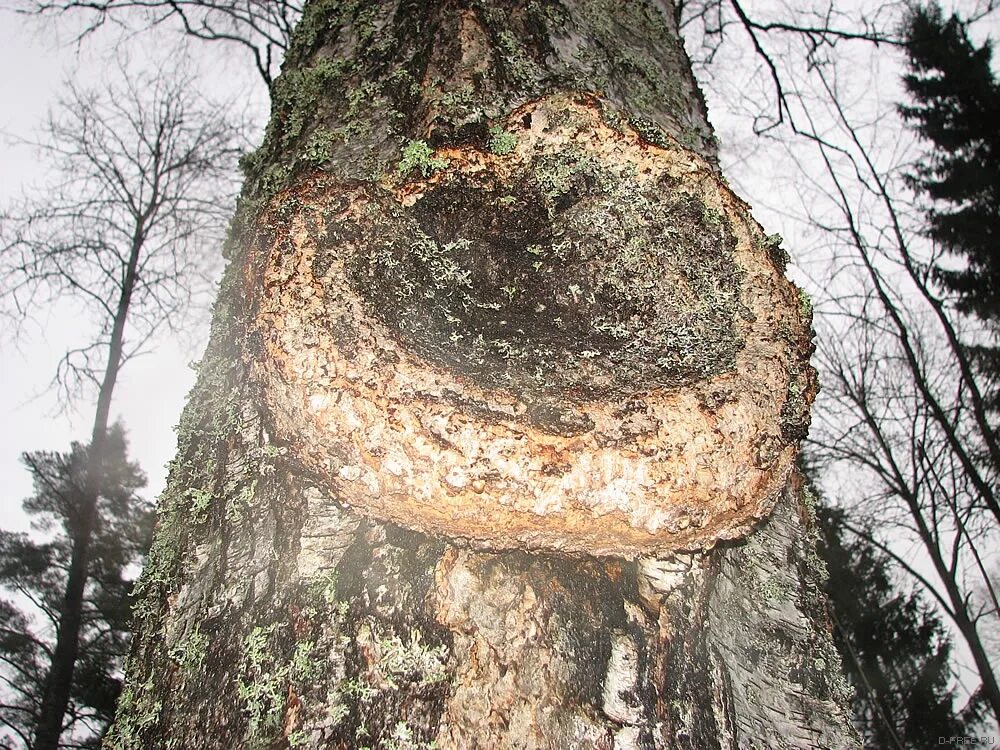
(499, 415)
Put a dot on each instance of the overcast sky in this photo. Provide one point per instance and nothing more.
(152, 389)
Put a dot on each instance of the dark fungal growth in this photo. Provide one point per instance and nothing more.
(566, 278)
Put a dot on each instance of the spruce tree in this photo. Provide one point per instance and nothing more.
(956, 108)
(33, 572)
(895, 650)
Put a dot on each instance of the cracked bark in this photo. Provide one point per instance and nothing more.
(498, 417)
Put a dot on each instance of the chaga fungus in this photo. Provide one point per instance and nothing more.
(580, 343)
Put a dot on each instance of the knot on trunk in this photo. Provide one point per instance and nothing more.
(566, 338)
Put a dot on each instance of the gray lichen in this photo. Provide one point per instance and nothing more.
(570, 276)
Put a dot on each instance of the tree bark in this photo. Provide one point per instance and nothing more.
(498, 416)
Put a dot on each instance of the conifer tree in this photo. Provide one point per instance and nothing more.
(956, 107)
(896, 653)
(33, 575)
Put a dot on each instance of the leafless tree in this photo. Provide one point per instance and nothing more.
(130, 228)
(132, 221)
(875, 423)
(260, 27)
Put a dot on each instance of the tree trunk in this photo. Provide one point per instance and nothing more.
(62, 667)
(493, 442)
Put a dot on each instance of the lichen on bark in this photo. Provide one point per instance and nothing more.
(498, 356)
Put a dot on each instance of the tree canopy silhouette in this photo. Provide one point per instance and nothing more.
(956, 107)
(33, 575)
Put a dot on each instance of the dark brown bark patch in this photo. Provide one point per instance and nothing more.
(562, 278)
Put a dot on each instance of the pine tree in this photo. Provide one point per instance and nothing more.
(895, 650)
(956, 107)
(33, 574)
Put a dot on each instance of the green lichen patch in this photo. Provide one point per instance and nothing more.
(515, 56)
(650, 131)
(410, 660)
(268, 675)
(190, 651)
(262, 687)
(319, 148)
(384, 667)
(394, 695)
(805, 305)
(502, 142)
(568, 276)
(137, 712)
(201, 501)
(296, 95)
(417, 155)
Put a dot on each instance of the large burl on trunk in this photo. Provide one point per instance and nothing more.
(493, 443)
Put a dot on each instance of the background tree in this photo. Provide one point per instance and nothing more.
(261, 27)
(902, 429)
(34, 575)
(896, 652)
(911, 411)
(955, 107)
(127, 230)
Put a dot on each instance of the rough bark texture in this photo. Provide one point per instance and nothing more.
(498, 357)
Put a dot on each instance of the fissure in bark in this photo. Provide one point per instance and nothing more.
(493, 442)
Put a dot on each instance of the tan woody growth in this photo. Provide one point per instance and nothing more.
(582, 343)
